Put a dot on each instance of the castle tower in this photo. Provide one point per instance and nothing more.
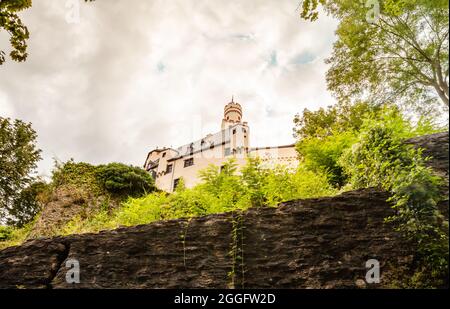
(232, 114)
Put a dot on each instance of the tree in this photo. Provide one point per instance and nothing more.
(397, 53)
(333, 119)
(27, 204)
(124, 180)
(18, 158)
(254, 176)
(321, 155)
(11, 23)
(324, 135)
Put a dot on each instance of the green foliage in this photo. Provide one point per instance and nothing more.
(390, 58)
(326, 134)
(122, 179)
(284, 185)
(225, 187)
(18, 157)
(379, 139)
(143, 210)
(114, 178)
(380, 158)
(255, 177)
(426, 125)
(14, 236)
(334, 119)
(236, 252)
(110, 182)
(364, 147)
(81, 174)
(5, 232)
(221, 191)
(11, 23)
(322, 155)
(28, 204)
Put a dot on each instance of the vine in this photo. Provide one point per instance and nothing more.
(183, 240)
(237, 273)
(381, 158)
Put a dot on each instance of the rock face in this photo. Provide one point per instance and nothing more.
(65, 203)
(310, 243)
(313, 243)
(435, 146)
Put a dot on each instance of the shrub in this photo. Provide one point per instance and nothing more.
(323, 142)
(322, 155)
(14, 236)
(221, 190)
(28, 203)
(380, 158)
(142, 210)
(115, 178)
(80, 175)
(5, 232)
(124, 180)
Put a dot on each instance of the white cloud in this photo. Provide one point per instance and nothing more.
(132, 75)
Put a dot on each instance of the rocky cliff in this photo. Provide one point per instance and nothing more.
(314, 243)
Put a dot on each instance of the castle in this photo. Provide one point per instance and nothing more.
(168, 165)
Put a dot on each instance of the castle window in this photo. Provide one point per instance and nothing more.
(175, 183)
(244, 130)
(227, 151)
(188, 162)
(169, 168)
(234, 131)
(164, 154)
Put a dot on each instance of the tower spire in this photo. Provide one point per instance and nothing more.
(232, 98)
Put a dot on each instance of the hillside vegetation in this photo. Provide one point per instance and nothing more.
(340, 149)
(76, 190)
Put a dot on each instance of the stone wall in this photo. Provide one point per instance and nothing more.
(313, 243)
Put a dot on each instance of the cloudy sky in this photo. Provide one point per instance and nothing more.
(116, 78)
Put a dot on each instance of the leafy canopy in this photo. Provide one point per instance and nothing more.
(122, 179)
(12, 24)
(18, 158)
(337, 118)
(400, 55)
(324, 135)
(28, 204)
(114, 178)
